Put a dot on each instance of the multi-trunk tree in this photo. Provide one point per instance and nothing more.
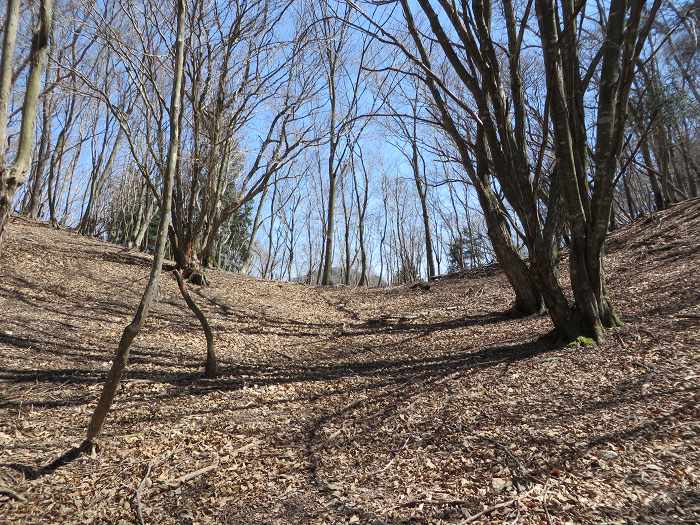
(482, 106)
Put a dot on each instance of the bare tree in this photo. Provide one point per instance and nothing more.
(346, 89)
(121, 356)
(407, 128)
(588, 211)
(13, 175)
(361, 192)
(495, 145)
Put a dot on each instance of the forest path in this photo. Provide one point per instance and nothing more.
(341, 405)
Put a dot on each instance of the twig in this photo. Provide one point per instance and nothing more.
(433, 502)
(282, 354)
(196, 473)
(497, 506)
(393, 458)
(7, 491)
(245, 447)
(544, 503)
(139, 493)
(176, 483)
(622, 341)
(513, 457)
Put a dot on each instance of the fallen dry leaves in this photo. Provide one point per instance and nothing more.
(339, 405)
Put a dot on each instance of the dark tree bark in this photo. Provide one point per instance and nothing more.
(211, 367)
(487, 149)
(588, 213)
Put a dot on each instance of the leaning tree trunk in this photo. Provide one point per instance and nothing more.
(528, 299)
(13, 176)
(211, 365)
(245, 266)
(121, 357)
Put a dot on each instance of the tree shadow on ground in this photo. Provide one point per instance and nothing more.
(401, 372)
(234, 377)
(72, 348)
(562, 456)
(260, 322)
(404, 325)
(32, 473)
(677, 506)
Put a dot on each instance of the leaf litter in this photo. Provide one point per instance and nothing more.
(343, 405)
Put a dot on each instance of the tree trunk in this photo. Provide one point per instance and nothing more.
(346, 235)
(98, 179)
(144, 220)
(528, 299)
(427, 237)
(663, 161)
(361, 212)
(660, 199)
(211, 367)
(245, 267)
(121, 357)
(37, 181)
(9, 40)
(185, 255)
(330, 221)
(588, 216)
(13, 176)
(631, 205)
(425, 214)
(422, 196)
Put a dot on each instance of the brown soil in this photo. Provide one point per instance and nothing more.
(340, 405)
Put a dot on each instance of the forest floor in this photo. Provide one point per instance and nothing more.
(342, 405)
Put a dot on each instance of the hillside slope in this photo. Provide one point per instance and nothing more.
(340, 405)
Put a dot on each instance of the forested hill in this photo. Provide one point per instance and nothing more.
(348, 405)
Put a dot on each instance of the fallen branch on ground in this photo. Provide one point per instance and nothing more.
(139, 494)
(7, 491)
(176, 483)
(489, 510)
(195, 474)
